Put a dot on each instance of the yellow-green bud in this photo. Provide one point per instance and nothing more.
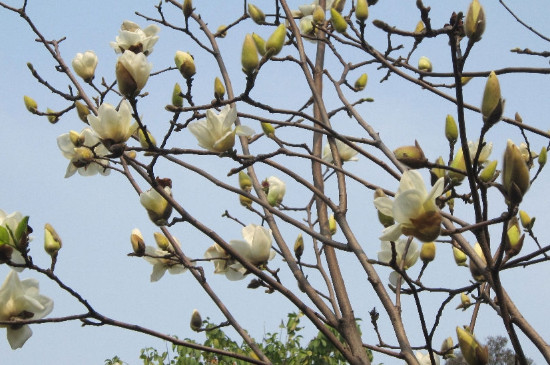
(488, 173)
(318, 15)
(268, 129)
(475, 270)
(361, 11)
(492, 105)
(177, 98)
(143, 140)
(464, 302)
(515, 173)
(447, 348)
(249, 55)
(518, 118)
(244, 181)
(460, 256)
(162, 241)
(245, 201)
(52, 116)
(256, 14)
(338, 22)
(338, 5)
(465, 79)
(185, 64)
(196, 321)
(52, 241)
(427, 252)
(474, 25)
(424, 64)
(299, 247)
(473, 352)
(514, 237)
(451, 129)
(526, 221)
(260, 44)
(82, 111)
(386, 220)
(361, 82)
(138, 244)
(76, 138)
(276, 41)
(332, 224)
(412, 156)
(543, 156)
(420, 26)
(458, 163)
(30, 104)
(187, 8)
(438, 173)
(222, 31)
(219, 89)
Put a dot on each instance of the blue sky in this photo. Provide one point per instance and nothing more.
(95, 215)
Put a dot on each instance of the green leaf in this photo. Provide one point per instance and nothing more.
(4, 236)
(21, 229)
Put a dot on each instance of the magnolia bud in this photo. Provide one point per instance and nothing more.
(245, 201)
(458, 163)
(244, 181)
(158, 208)
(177, 99)
(249, 55)
(386, 220)
(542, 157)
(219, 89)
(260, 44)
(424, 64)
(447, 348)
(460, 256)
(492, 105)
(338, 22)
(420, 26)
(451, 130)
(514, 238)
(30, 104)
(299, 247)
(332, 224)
(318, 15)
(84, 65)
(162, 241)
(143, 141)
(52, 241)
(187, 8)
(438, 173)
(256, 14)
(515, 174)
(427, 252)
(132, 72)
(222, 31)
(338, 5)
(196, 321)
(412, 156)
(138, 244)
(361, 82)
(488, 173)
(52, 116)
(472, 351)
(464, 302)
(465, 79)
(268, 129)
(361, 11)
(526, 221)
(276, 41)
(474, 26)
(82, 111)
(475, 270)
(185, 64)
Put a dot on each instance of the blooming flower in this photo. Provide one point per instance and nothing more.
(132, 72)
(85, 152)
(132, 37)
(256, 248)
(158, 208)
(113, 126)
(20, 300)
(215, 133)
(413, 209)
(424, 359)
(346, 152)
(84, 65)
(385, 254)
(162, 261)
(275, 190)
(485, 151)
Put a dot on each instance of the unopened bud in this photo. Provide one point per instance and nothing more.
(361, 11)
(318, 15)
(472, 351)
(185, 64)
(492, 105)
(361, 82)
(82, 111)
(542, 156)
(222, 31)
(196, 321)
(451, 129)
(514, 242)
(475, 270)
(30, 104)
(276, 41)
(412, 156)
(162, 241)
(424, 64)
(386, 220)
(187, 8)
(332, 225)
(458, 163)
(138, 244)
(465, 79)
(438, 173)
(219, 89)
(256, 14)
(143, 141)
(518, 118)
(338, 5)
(245, 201)
(177, 98)
(515, 174)
(464, 302)
(338, 22)
(488, 173)
(299, 247)
(460, 256)
(447, 348)
(52, 241)
(474, 26)
(260, 44)
(420, 26)
(249, 55)
(244, 181)
(52, 116)
(526, 221)
(268, 129)
(427, 252)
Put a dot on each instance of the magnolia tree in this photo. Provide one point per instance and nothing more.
(323, 196)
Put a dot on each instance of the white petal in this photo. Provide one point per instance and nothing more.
(391, 233)
(18, 337)
(384, 205)
(407, 205)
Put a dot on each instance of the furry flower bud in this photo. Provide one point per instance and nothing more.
(361, 11)
(268, 129)
(249, 55)
(424, 64)
(332, 224)
(515, 174)
(459, 256)
(187, 8)
(412, 156)
(30, 104)
(473, 352)
(275, 42)
(488, 173)
(299, 247)
(260, 44)
(338, 22)
(196, 321)
(219, 89)
(82, 111)
(526, 221)
(492, 105)
(256, 14)
(138, 244)
(427, 252)
(451, 129)
(185, 64)
(177, 99)
(162, 241)
(52, 241)
(244, 181)
(474, 26)
(361, 82)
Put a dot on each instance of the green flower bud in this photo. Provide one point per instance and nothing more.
(518, 118)
(177, 99)
(412, 156)
(474, 25)
(338, 5)
(464, 302)
(185, 64)
(361, 82)
(196, 321)
(318, 15)
(427, 252)
(52, 116)
(361, 11)
(260, 44)
(438, 173)
(143, 140)
(488, 173)
(492, 105)
(30, 104)
(515, 174)
(244, 181)
(249, 55)
(473, 352)
(475, 270)
(256, 14)
(526, 221)
(245, 201)
(268, 129)
(82, 111)
(385, 220)
(276, 41)
(419, 27)
(162, 241)
(187, 8)
(514, 242)
(338, 22)
(451, 129)
(447, 348)
(542, 156)
(299, 247)
(52, 241)
(332, 224)
(424, 64)
(138, 244)
(222, 31)
(460, 256)
(219, 89)
(465, 79)
(458, 163)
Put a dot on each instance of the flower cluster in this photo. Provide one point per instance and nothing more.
(85, 152)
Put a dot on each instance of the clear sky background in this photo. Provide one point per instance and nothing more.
(95, 215)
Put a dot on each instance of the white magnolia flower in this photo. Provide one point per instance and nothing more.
(385, 254)
(84, 65)
(485, 151)
(413, 209)
(216, 133)
(113, 126)
(132, 72)
(256, 248)
(306, 26)
(276, 189)
(157, 207)
(525, 154)
(21, 300)
(346, 152)
(162, 261)
(85, 152)
(308, 9)
(132, 37)
(424, 359)
(10, 222)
